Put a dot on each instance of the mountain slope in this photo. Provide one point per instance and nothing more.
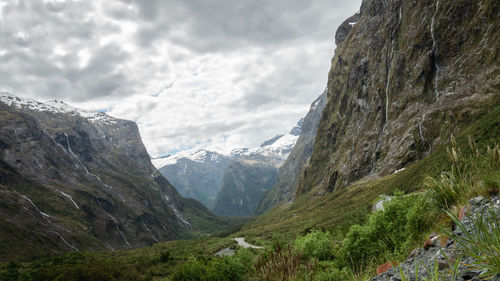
(245, 182)
(198, 176)
(407, 76)
(253, 173)
(290, 170)
(72, 179)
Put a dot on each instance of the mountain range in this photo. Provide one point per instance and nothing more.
(235, 184)
(74, 179)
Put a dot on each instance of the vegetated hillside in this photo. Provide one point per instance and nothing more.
(76, 180)
(198, 177)
(337, 211)
(346, 212)
(289, 172)
(245, 181)
(406, 76)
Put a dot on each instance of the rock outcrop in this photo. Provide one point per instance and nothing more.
(407, 76)
(443, 254)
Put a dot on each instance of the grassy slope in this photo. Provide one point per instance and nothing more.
(338, 210)
(335, 212)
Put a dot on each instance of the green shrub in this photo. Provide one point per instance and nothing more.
(231, 268)
(389, 232)
(165, 257)
(284, 265)
(330, 272)
(192, 270)
(315, 244)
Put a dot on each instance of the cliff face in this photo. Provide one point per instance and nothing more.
(200, 179)
(290, 170)
(71, 179)
(407, 76)
(245, 181)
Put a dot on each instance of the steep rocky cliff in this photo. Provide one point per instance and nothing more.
(73, 179)
(253, 172)
(407, 76)
(245, 181)
(198, 176)
(290, 170)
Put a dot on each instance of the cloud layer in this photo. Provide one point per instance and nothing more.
(192, 73)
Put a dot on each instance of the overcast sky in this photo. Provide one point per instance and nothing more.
(192, 73)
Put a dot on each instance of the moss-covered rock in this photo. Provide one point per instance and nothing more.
(408, 75)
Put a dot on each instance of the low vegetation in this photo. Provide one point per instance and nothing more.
(330, 237)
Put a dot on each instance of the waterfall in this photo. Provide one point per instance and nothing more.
(44, 215)
(70, 198)
(387, 97)
(434, 50)
(117, 225)
(65, 242)
(71, 153)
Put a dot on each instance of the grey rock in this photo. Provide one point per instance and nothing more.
(225, 252)
(79, 180)
(477, 200)
(345, 28)
(244, 184)
(289, 172)
(443, 255)
(198, 180)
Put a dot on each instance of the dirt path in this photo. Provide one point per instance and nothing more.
(241, 242)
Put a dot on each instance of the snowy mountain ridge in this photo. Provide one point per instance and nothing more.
(199, 156)
(277, 148)
(55, 106)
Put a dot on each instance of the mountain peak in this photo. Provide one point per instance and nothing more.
(55, 106)
(298, 128)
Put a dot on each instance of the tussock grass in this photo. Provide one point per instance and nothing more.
(470, 176)
(482, 243)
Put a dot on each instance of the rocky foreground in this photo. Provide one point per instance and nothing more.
(443, 254)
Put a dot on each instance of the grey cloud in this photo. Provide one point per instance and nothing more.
(204, 130)
(216, 25)
(183, 33)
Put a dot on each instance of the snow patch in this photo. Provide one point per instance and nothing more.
(56, 106)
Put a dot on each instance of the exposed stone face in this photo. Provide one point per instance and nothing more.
(408, 75)
(68, 182)
(245, 181)
(199, 180)
(289, 172)
(344, 29)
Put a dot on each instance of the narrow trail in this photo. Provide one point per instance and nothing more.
(241, 242)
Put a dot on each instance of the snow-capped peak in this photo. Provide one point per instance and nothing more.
(199, 156)
(55, 106)
(278, 149)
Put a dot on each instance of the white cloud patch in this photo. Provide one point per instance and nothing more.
(197, 73)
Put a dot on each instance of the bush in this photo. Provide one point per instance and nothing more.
(191, 270)
(165, 257)
(389, 232)
(284, 265)
(233, 268)
(315, 244)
